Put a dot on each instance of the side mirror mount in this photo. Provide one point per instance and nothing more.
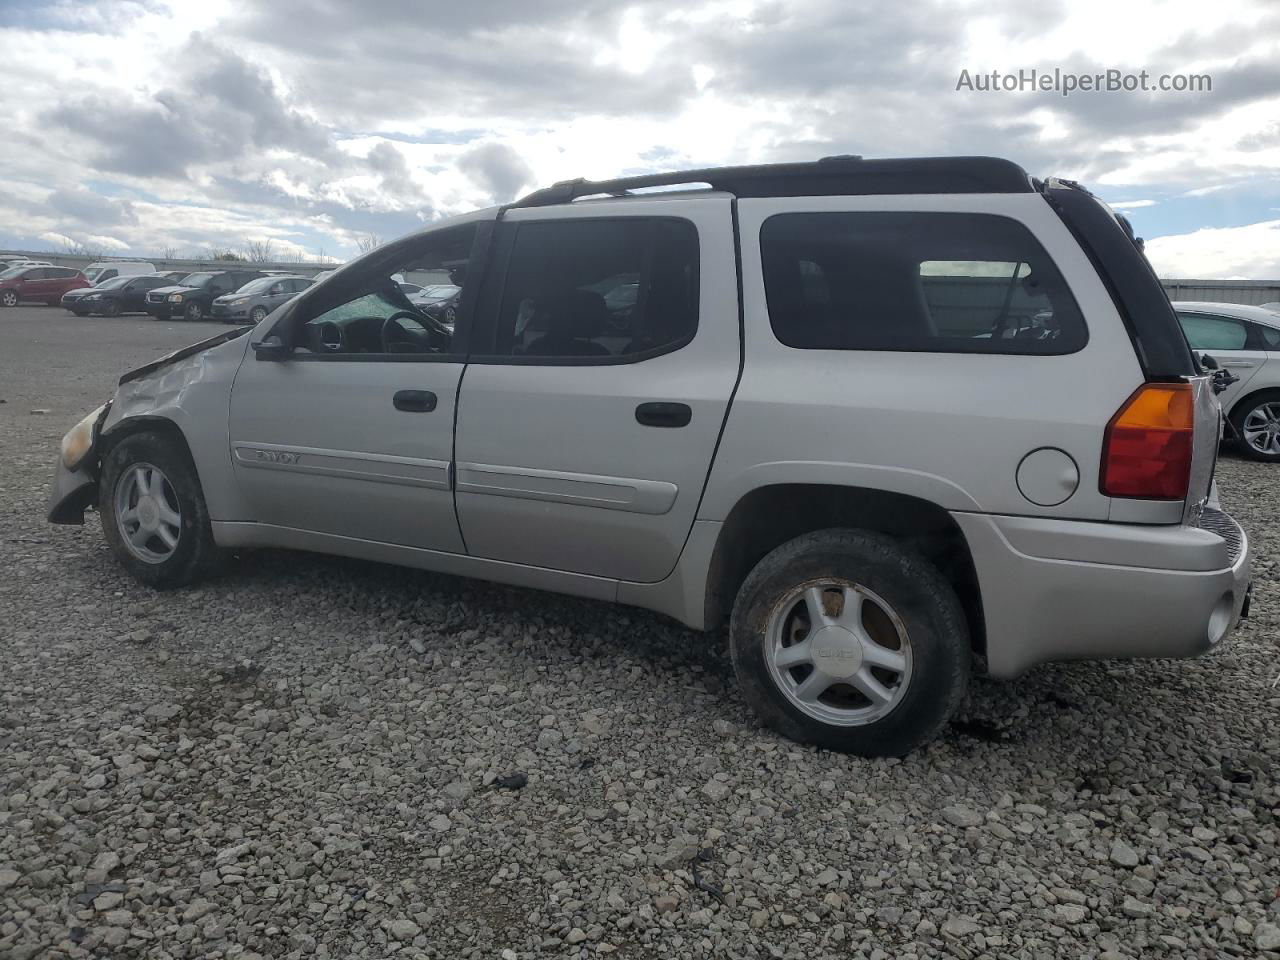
(1208, 362)
(270, 348)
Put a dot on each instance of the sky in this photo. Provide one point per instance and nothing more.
(146, 128)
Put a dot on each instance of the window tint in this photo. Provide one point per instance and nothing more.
(1204, 332)
(366, 312)
(599, 288)
(946, 282)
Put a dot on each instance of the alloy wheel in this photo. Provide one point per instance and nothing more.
(838, 652)
(1261, 429)
(148, 514)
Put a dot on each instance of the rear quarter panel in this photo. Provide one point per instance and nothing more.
(951, 428)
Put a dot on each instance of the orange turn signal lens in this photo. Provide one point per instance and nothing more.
(1147, 448)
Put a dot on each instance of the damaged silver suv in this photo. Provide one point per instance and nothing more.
(887, 418)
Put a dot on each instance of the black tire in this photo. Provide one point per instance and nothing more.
(1241, 413)
(193, 312)
(8, 298)
(79, 313)
(917, 593)
(195, 556)
(258, 315)
(113, 308)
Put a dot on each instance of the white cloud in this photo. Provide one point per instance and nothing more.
(1131, 204)
(1220, 253)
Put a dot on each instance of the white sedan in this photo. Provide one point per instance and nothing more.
(1245, 341)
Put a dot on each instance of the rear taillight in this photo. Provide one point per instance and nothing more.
(1146, 451)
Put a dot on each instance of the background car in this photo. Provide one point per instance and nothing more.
(1245, 341)
(257, 298)
(43, 284)
(123, 294)
(95, 273)
(194, 297)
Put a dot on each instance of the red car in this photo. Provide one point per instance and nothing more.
(44, 284)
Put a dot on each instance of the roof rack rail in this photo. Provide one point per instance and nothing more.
(830, 176)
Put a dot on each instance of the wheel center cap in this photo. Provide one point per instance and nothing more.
(148, 513)
(837, 652)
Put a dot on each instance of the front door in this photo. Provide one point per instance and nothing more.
(590, 410)
(351, 434)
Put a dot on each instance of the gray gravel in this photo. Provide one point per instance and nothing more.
(303, 760)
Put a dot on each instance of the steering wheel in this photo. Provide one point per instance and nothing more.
(391, 324)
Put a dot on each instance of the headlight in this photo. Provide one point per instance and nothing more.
(78, 440)
(93, 296)
(175, 298)
(238, 302)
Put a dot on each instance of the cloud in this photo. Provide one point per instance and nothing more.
(316, 122)
(1251, 252)
(1131, 204)
(496, 168)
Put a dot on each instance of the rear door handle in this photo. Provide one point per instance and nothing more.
(663, 414)
(414, 401)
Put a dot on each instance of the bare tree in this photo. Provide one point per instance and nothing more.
(368, 243)
(257, 251)
(74, 248)
(217, 253)
(169, 252)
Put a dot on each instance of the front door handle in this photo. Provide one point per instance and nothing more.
(1236, 363)
(664, 414)
(414, 401)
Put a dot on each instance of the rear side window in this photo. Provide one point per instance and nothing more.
(1269, 336)
(938, 282)
(606, 290)
(1213, 333)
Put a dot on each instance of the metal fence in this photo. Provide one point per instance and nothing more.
(164, 265)
(1253, 292)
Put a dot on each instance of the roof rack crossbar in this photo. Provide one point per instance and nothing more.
(829, 176)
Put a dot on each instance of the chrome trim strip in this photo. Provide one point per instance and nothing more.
(555, 486)
(347, 464)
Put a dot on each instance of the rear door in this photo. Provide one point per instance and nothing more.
(593, 400)
(1227, 340)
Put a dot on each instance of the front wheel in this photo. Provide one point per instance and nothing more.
(1257, 423)
(258, 315)
(844, 639)
(193, 312)
(8, 298)
(153, 511)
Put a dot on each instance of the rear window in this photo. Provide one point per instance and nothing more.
(938, 282)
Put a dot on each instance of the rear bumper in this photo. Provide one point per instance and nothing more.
(1075, 590)
(70, 493)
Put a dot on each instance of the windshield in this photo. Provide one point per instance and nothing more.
(93, 272)
(114, 283)
(196, 279)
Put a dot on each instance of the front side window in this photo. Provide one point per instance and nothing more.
(1204, 332)
(365, 312)
(941, 282)
(602, 289)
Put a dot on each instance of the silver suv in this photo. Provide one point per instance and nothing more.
(888, 419)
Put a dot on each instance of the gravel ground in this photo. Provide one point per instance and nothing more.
(306, 759)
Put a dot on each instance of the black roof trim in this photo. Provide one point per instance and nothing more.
(830, 176)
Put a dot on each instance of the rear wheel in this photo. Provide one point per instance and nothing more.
(153, 511)
(844, 639)
(1257, 423)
